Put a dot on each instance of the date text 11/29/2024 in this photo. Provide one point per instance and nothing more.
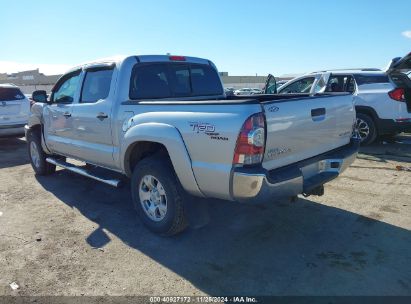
(203, 299)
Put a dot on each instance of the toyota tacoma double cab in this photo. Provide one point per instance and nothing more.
(165, 123)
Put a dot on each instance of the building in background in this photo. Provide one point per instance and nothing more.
(29, 81)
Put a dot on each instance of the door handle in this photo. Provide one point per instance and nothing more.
(102, 116)
(318, 114)
(67, 114)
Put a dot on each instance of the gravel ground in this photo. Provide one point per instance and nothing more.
(68, 235)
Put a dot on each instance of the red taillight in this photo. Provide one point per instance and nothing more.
(397, 94)
(177, 58)
(251, 141)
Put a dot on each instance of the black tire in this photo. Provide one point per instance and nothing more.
(174, 220)
(364, 123)
(40, 167)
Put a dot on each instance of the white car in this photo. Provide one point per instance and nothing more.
(382, 98)
(247, 91)
(14, 111)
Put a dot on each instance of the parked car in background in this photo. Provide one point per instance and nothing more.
(243, 91)
(14, 111)
(247, 91)
(256, 91)
(165, 123)
(382, 98)
(229, 91)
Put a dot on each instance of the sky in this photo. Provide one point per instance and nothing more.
(241, 37)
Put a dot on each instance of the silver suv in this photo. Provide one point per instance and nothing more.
(382, 98)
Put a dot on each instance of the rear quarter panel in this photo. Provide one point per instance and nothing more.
(376, 96)
(209, 133)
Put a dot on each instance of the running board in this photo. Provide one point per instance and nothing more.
(112, 182)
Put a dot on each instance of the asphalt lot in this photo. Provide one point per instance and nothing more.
(68, 235)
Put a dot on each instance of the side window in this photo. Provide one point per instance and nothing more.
(96, 85)
(66, 89)
(341, 83)
(350, 85)
(300, 86)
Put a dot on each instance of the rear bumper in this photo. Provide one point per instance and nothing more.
(391, 126)
(257, 185)
(12, 130)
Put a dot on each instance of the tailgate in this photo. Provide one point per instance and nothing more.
(301, 128)
(14, 107)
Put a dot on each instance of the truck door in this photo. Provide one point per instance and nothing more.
(270, 85)
(58, 122)
(92, 117)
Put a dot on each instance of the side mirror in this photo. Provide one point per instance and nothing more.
(39, 96)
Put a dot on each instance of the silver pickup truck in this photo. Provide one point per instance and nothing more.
(165, 123)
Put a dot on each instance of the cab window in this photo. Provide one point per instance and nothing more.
(300, 86)
(96, 85)
(66, 88)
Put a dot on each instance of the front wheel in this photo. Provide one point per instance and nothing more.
(158, 196)
(37, 155)
(366, 128)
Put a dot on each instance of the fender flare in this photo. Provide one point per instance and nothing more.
(172, 140)
(367, 110)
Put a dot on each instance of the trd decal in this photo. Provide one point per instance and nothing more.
(208, 129)
(219, 137)
(202, 127)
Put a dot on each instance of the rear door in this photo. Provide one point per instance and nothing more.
(301, 128)
(14, 107)
(92, 117)
(270, 85)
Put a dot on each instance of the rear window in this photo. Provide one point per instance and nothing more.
(165, 80)
(369, 79)
(10, 94)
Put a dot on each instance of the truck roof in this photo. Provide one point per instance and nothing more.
(141, 58)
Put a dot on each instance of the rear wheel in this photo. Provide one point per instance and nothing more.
(366, 128)
(158, 196)
(37, 155)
